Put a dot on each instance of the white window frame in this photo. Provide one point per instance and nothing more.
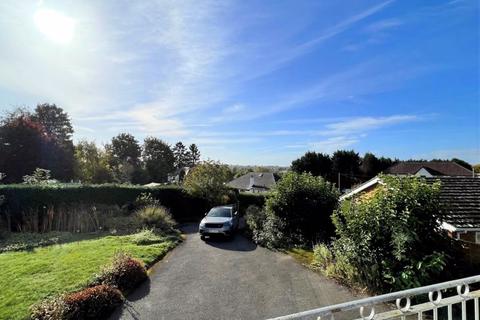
(477, 237)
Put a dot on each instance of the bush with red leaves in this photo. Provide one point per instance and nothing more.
(91, 303)
(125, 273)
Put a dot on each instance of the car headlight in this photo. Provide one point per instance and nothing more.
(202, 223)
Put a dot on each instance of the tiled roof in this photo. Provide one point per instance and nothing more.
(436, 168)
(264, 180)
(460, 198)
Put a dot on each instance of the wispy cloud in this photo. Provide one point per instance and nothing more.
(365, 124)
(332, 144)
(383, 25)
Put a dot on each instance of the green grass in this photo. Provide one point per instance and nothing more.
(304, 256)
(27, 277)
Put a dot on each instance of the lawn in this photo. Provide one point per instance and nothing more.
(28, 277)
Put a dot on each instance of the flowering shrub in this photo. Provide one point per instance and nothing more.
(125, 273)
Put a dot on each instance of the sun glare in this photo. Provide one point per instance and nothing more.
(55, 25)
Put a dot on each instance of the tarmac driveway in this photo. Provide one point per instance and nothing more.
(228, 280)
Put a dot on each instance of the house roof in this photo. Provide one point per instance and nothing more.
(435, 168)
(459, 198)
(264, 180)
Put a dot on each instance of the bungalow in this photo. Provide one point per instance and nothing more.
(429, 169)
(460, 201)
(254, 182)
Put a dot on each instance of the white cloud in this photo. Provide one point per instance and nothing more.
(383, 25)
(332, 144)
(365, 124)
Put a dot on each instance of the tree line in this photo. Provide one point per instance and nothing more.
(344, 167)
(42, 138)
(347, 168)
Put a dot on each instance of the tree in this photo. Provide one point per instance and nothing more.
(347, 165)
(91, 163)
(476, 168)
(193, 155)
(24, 146)
(463, 163)
(303, 205)
(57, 124)
(55, 121)
(124, 156)
(207, 180)
(391, 238)
(318, 164)
(124, 148)
(159, 159)
(181, 155)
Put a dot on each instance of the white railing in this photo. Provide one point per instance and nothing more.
(403, 308)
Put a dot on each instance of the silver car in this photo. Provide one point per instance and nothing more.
(221, 220)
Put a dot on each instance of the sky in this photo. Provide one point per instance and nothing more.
(253, 82)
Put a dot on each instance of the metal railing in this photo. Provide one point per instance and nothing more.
(403, 308)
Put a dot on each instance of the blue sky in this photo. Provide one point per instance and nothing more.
(253, 82)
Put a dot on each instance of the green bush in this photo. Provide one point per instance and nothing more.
(298, 210)
(125, 273)
(146, 237)
(247, 199)
(391, 240)
(91, 303)
(156, 216)
(208, 181)
(322, 256)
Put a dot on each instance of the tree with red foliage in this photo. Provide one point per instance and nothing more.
(23, 145)
(40, 140)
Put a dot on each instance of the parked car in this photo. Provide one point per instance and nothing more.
(222, 220)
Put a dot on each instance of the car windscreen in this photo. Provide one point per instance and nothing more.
(220, 212)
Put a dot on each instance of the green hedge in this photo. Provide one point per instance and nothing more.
(246, 199)
(21, 198)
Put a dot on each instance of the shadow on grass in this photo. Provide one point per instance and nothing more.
(27, 241)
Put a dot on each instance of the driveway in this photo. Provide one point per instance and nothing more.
(228, 280)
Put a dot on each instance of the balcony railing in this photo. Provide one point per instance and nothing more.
(447, 299)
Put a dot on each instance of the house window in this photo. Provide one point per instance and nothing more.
(477, 237)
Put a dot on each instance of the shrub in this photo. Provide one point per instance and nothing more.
(207, 180)
(254, 219)
(91, 303)
(300, 208)
(392, 240)
(125, 273)
(146, 237)
(146, 199)
(322, 256)
(156, 216)
(50, 309)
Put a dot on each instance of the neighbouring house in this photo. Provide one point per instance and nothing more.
(459, 198)
(429, 169)
(254, 182)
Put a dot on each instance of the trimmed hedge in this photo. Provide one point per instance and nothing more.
(247, 199)
(21, 199)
